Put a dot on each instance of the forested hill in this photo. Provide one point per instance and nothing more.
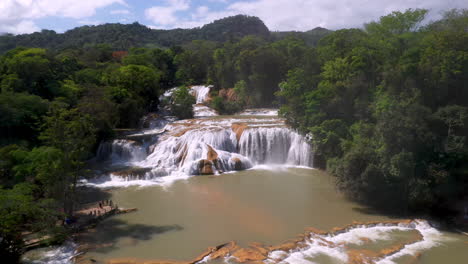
(310, 37)
(125, 36)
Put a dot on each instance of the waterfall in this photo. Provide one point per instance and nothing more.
(201, 92)
(275, 145)
(204, 146)
(217, 148)
(183, 153)
(121, 150)
(202, 110)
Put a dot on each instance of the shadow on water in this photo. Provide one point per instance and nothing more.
(374, 211)
(442, 221)
(112, 231)
(88, 195)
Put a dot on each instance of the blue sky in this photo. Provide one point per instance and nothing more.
(26, 16)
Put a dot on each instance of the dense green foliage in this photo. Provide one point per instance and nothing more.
(20, 210)
(388, 110)
(182, 103)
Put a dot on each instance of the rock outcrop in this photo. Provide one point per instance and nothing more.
(239, 128)
(205, 167)
(238, 165)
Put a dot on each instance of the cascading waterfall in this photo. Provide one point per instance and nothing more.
(206, 145)
(210, 146)
(183, 153)
(121, 150)
(201, 92)
(275, 145)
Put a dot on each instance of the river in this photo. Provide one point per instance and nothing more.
(247, 178)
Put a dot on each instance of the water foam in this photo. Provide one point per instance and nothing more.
(56, 255)
(202, 110)
(431, 238)
(335, 244)
(260, 112)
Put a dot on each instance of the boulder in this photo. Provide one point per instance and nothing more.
(238, 165)
(205, 167)
(212, 154)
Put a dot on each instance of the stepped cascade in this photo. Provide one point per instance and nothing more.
(207, 144)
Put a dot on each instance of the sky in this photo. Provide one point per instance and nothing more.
(27, 16)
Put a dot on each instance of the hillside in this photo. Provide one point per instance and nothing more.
(124, 36)
(310, 37)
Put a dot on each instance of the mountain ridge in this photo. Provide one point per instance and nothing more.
(125, 36)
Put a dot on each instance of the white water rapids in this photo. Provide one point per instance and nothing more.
(337, 246)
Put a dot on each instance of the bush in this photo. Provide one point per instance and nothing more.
(182, 104)
(225, 107)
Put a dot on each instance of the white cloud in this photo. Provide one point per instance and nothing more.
(295, 14)
(305, 15)
(120, 12)
(19, 27)
(167, 14)
(17, 16)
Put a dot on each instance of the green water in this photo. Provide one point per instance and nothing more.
(180, 221)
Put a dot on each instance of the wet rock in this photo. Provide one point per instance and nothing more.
(224, 250)
(248, 254)
(181, 158)
(212, 154)
(126, 211)
(228, 94)
(148, 119)
(205, 167)
(260, 248)
(284, 247)
(203, 255)
(316, 231)
(238, 165)
(239, 128)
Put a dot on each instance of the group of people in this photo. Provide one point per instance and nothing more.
(102, 204)
(105, 203)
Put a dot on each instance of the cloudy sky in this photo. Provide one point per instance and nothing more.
(26, 16)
